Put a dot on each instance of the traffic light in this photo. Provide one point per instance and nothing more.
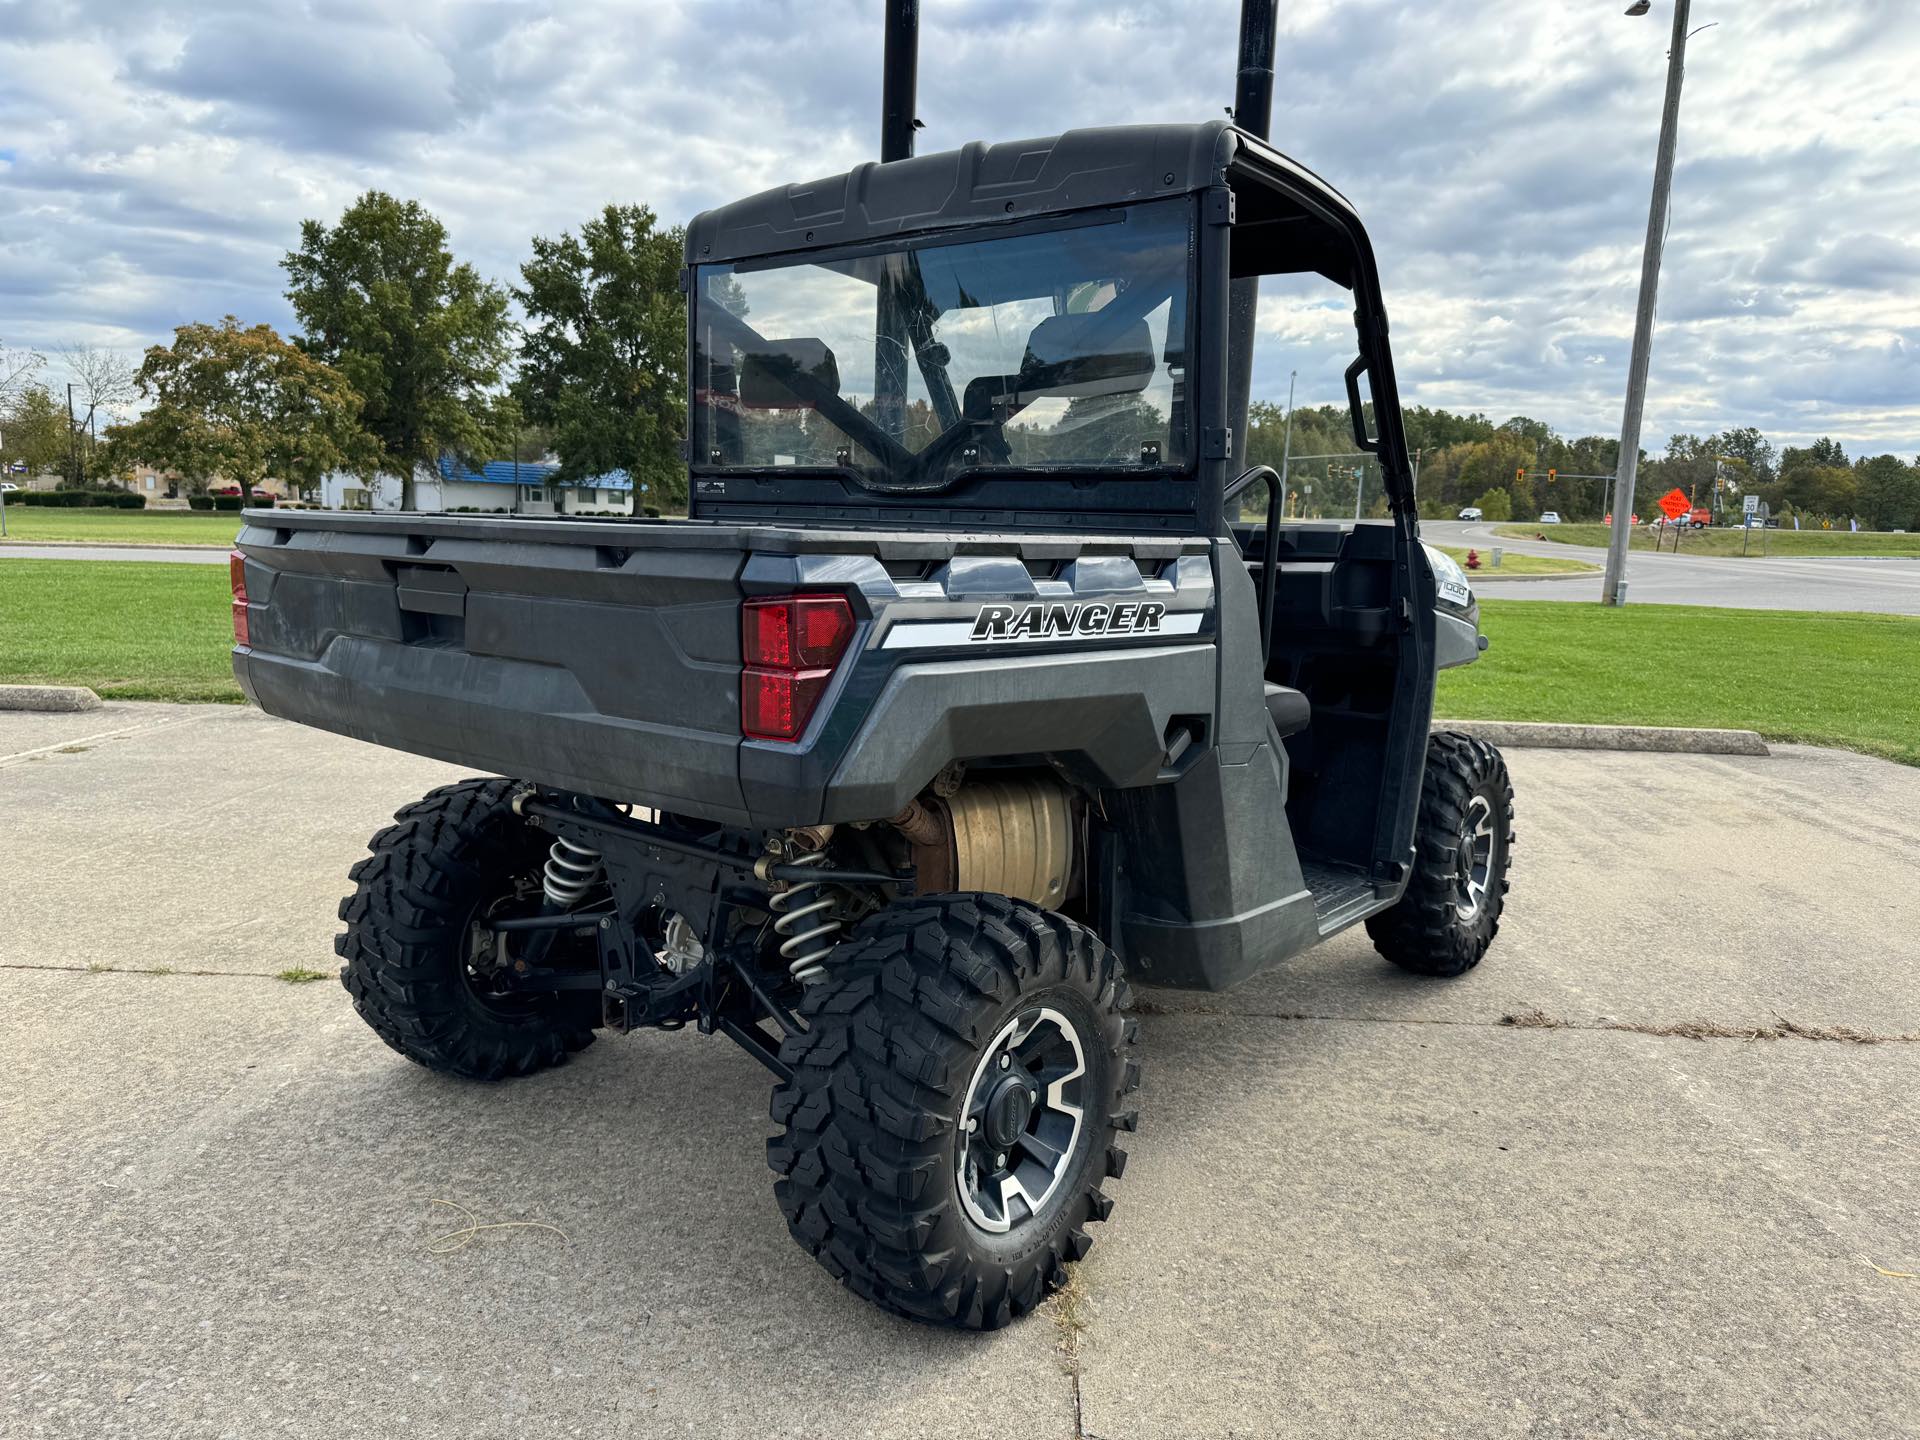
(1520, 473)
(1552, 475)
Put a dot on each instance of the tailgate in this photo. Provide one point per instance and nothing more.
(611, 668)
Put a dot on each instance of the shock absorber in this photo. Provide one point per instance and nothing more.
(571, 872)
(803, 917)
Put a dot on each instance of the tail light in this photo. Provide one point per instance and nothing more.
(237, 573)
(791, 644)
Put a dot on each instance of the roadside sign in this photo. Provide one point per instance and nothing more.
(1674, 504)
(1750, 503)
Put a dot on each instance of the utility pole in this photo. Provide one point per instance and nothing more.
(1613, 589)
(1286, 438)
(73, 442)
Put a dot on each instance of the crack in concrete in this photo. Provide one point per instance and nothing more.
(1532, 1018)
(148, 971)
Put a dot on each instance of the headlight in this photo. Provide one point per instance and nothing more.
(1451, 580)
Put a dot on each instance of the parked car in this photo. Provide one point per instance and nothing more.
(256, 493)
(1472, 512)
(1549, 517)
(8, 486)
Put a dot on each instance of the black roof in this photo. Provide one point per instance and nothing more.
(981, 183)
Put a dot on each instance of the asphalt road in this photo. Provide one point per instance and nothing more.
(1358, 1204)
(1887, 585)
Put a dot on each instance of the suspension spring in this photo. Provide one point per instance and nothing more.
(802, 916)
(571, 872)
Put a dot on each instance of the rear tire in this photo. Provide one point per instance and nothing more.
(410, 938)
(1463, 845)
(882, 1181)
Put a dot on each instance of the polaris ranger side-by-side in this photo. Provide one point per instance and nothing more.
(962, 692)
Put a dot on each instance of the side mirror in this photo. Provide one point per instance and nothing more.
(788, 375)
(1088, 354)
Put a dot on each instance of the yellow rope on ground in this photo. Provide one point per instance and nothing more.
(1890, 1274)
(465, 1235)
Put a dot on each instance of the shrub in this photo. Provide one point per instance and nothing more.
(199, 502)
(1496, 504)
(80, 499)
(225, 502)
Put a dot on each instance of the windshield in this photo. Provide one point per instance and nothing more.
(1054, 349)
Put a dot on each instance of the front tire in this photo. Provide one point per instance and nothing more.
(416, 961)
(1463, 846)
(950, 1118)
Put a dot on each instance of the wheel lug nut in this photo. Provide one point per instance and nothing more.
(972, 1125)
(1000, 1161)
(1033, 1096)
(1006, 1062)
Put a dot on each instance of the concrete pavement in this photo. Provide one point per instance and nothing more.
(1886, 585)
(1358, 1204)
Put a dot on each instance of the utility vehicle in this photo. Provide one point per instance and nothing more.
(962, 696)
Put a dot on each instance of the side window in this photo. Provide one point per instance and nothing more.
(1299, 419)
(1303, 343)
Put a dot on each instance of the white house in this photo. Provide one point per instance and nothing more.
(520, 487)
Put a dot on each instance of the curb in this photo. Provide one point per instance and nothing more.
(1479, 577)
(59, 698)
(1663, 739)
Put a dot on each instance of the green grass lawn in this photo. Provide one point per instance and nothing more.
(26, 525)
(1512, 564)
(1846, 680)
(131, 631)
(162, 632)
(1725, 540)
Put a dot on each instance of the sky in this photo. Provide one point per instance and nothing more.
(156, 159)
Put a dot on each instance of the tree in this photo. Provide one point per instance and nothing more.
(1889, 493)
(33, 429)
(604, 357)
(243, 405)
(1495, 505)
(17, 371)
(102, 384)
(423, 340)
(1750, 447)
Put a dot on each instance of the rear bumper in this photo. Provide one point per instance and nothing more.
(480, 712)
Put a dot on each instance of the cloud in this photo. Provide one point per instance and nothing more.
(159, 157)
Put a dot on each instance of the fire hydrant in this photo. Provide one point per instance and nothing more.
(1473, 559)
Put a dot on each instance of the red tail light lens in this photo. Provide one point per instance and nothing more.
(237, 575)
(791, 644)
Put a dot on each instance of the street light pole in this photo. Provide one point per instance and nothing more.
(1286, 439)
(1613, 589)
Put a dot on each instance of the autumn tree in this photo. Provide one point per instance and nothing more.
(245, 404)
(603, 361)
(421, 339)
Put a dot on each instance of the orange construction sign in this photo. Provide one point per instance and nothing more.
(1674, 504)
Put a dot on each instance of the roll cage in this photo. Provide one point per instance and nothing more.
(1255, 213)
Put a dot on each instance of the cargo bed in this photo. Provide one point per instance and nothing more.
(604, 656)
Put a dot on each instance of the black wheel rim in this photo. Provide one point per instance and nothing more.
(1020, 1121)
(1477, 842)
